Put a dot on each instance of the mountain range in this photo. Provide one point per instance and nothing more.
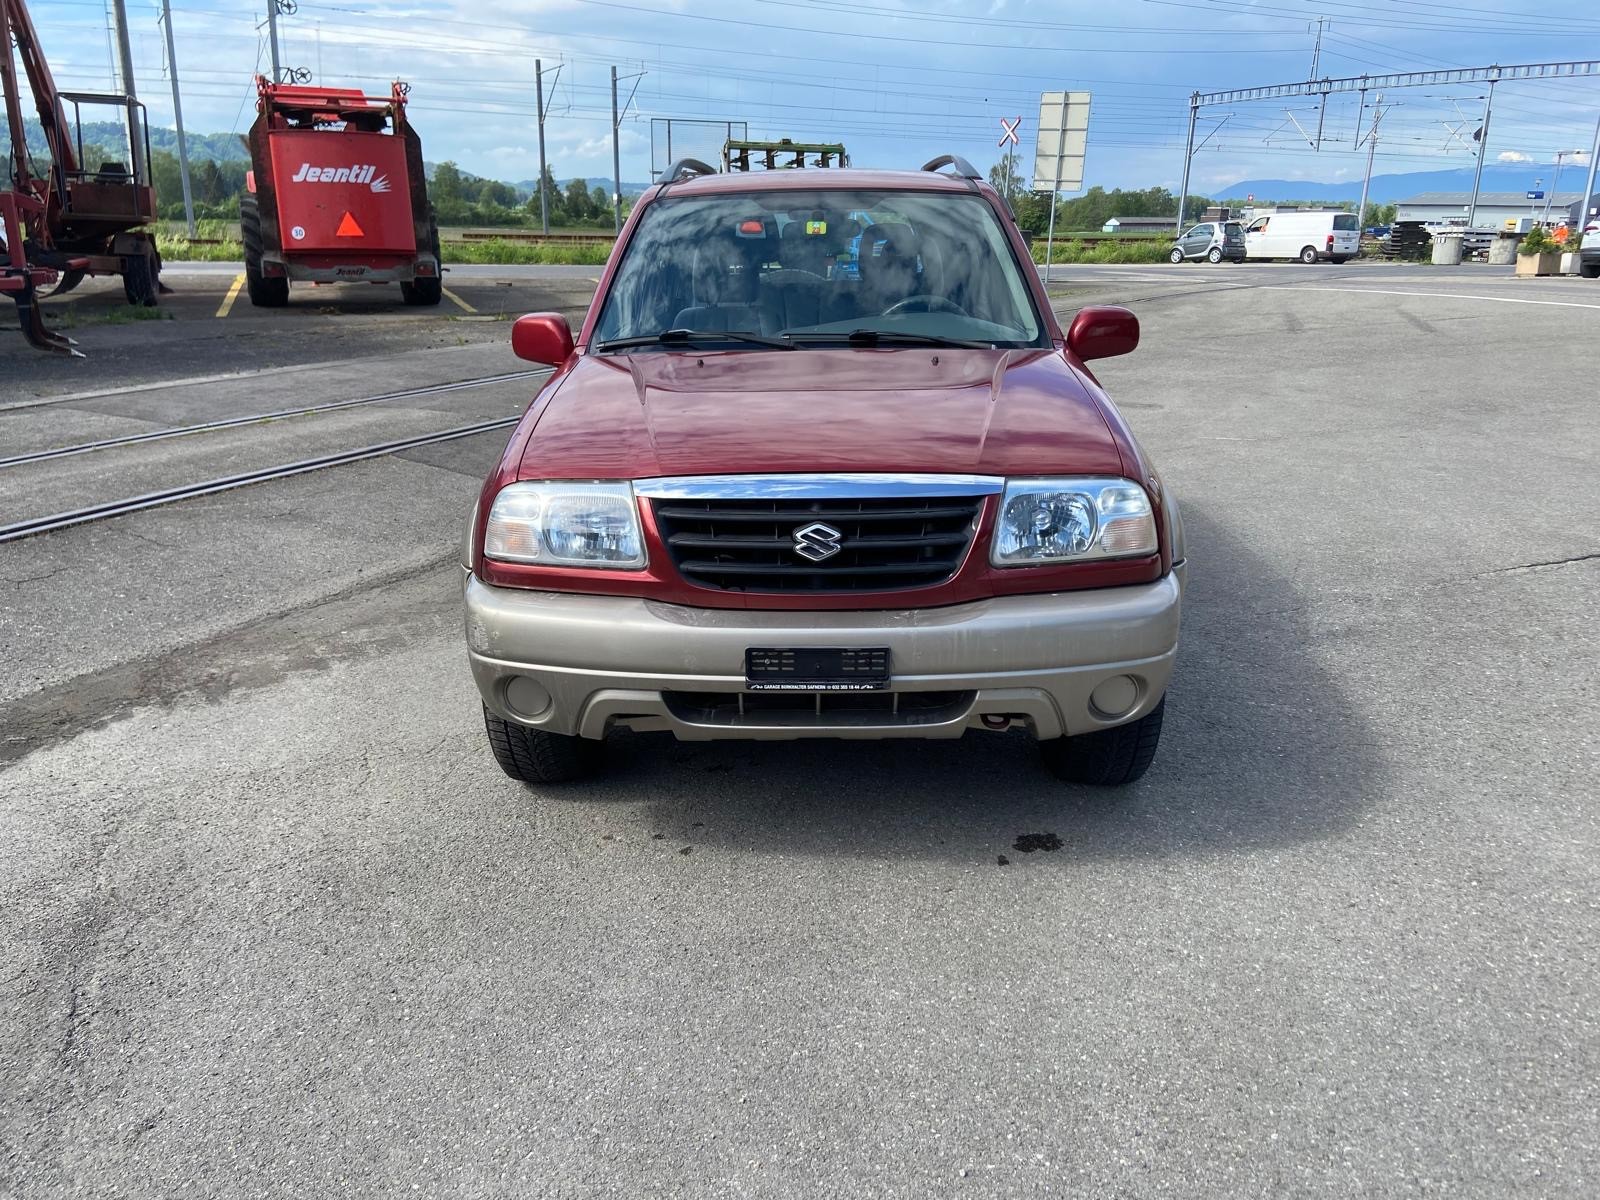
(1388, 189)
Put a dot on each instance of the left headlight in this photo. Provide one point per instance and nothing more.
(1069, 520)
(566, 525)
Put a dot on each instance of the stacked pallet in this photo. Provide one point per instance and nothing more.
(1409, 240)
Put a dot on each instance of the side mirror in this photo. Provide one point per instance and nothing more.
(1103, 331)
(542, 338)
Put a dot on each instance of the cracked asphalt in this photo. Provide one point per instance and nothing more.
(273, 924)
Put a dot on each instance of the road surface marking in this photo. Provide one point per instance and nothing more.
(233, 294)
(465, 307)
(1282, 287)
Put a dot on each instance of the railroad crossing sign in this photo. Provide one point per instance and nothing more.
(1010, 132)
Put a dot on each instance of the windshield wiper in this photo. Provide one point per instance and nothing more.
(685, 337)
(890, 337)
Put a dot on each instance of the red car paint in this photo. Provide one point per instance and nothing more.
(1027, 412)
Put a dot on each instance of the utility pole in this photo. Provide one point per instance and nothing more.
(616, 141)
(1316, 51)
(272, 39)
(1483, 149)
(177, 116)
(1550, 196)
(1366, 182)
(1188, 158)
(1588, 188)
(616, 155)
(119, 22)
(538, 91)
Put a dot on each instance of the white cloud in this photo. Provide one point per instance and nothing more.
(1513, 156)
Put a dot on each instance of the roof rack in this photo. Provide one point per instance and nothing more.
(964, 169)
(685, 168)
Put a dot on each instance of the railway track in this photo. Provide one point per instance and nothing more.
(132, 504)
(156, 435)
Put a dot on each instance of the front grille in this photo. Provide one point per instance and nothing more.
(884, 544)
(802, 710)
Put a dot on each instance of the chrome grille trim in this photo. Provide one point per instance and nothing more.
(843, 486)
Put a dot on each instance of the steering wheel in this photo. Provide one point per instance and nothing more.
(924, 303)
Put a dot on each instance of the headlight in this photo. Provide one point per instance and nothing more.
(1060, 520)
(566, 525)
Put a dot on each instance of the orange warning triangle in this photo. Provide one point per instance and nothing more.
(349, 228)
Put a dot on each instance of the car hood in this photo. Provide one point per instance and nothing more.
(945, 411)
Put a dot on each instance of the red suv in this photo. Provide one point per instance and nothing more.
(762, 498)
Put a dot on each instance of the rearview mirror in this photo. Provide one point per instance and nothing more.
(1101, 331)
(542, 338)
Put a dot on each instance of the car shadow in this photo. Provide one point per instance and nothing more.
(1262, 747)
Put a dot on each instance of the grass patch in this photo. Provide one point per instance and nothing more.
(178, 248)
(499, 252)
(72, 316)
(1120, 250)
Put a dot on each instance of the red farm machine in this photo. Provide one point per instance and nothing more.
(336, 194)
(62, 218)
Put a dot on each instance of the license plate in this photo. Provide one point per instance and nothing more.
(806, 669)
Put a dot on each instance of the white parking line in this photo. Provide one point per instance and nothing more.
(1284, 287)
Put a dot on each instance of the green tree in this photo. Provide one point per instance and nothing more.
(446, 183)
(577, 202)
(207, 182)
(1007, 178)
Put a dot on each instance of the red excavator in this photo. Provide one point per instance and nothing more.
(61, 218)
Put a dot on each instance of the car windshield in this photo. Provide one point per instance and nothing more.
(818, 268)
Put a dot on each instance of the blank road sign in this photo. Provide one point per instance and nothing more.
(1063, 137)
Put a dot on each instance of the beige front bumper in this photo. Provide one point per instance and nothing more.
(599, 661)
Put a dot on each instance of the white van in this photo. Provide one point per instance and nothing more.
(1309, 236)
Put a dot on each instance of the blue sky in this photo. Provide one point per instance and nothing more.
(897, 81)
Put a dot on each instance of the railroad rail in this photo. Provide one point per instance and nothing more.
(156, 435)
(117, 508)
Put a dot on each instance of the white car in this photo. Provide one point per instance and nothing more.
(1589, 251)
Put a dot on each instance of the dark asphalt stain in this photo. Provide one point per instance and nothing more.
(1002, 861)
(1027, 843)
(686, 850)
(658, 837)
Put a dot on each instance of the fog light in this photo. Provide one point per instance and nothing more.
(1115, 696)
(527, 696)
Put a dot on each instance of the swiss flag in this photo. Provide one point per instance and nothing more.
(349, 228)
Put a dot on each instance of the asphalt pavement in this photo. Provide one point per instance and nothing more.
(272, 923)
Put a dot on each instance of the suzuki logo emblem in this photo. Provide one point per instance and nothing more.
(817, 541)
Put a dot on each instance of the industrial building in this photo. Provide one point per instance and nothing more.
(1494, 208)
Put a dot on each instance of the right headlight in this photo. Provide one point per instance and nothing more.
(566, 525)
(1045, 521)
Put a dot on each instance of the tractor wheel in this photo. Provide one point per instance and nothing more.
(264, 292)
(140, 278)
(426, 292)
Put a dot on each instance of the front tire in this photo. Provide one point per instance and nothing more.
(1308, 255)
(264, 292)
(140, 278)
(1176, 256)
(1589, 270)
(1108, 757)
(1214, 255)
(534, 756)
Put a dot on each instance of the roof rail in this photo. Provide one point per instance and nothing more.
(964, 169)
(685, 168)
